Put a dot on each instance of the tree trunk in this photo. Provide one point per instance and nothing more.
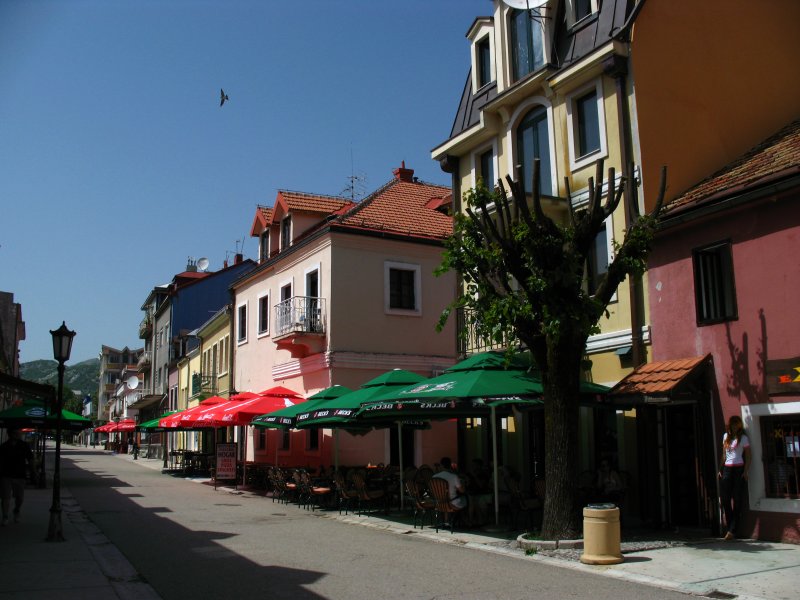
(562, 518)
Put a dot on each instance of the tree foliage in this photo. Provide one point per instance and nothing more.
(525, 285)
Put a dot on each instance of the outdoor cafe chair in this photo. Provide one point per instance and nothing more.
(366, 497)
(423, 505)
(344, 493)
(444, 509)
(312, 495)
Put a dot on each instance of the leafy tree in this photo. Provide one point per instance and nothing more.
(525, 281)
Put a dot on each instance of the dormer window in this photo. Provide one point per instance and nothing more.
(527, 41)
(286, 232)
(484, 62)
(263, 246)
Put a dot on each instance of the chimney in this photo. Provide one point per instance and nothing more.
(191, 265)
(404, 174)
(238, 258)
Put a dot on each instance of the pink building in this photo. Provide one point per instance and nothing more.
(724, 283)
(344, 292)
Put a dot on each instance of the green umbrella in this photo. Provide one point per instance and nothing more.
(476, 386)
(341, 411)
(152, 424)
(41, 418)
(285, 417)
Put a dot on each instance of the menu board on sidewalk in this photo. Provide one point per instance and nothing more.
(226, 461)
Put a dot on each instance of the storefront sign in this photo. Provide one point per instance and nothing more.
(226, 461)
(783, 376)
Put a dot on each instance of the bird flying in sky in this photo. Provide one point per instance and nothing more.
(222, 97)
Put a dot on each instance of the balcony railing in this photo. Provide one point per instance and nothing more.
(300, 314)
(145, 360)
(469, 340)
(146, 327)
(206, 384)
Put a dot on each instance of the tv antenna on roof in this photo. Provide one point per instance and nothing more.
(355, 183)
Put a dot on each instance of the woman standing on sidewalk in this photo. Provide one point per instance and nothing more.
(733, 473)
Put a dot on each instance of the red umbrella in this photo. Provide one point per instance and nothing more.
(280, 391)
(243, 396)
(241, 413)
(125, 425)
(103, 428)
(177, 419)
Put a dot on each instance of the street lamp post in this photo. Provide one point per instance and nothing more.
(62, 347)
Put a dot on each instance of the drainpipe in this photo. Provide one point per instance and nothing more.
(449, 164)
(617, 67)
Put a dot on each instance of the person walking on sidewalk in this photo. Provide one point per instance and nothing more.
(733, 473)
(15, 459)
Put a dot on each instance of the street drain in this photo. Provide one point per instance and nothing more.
(717, 595)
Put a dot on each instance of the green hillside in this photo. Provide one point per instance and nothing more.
(82, 378)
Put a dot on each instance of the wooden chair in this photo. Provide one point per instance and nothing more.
(313, 495)
(344, 493)
(522, 503)
(444, 508)
(423, 505)
(366, 497)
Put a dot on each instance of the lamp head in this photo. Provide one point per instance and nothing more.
(62, 342)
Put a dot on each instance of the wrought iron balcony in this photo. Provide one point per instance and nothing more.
(469, 340)
(205, 384)
(145, 361)
(146, 327)
(300, 325)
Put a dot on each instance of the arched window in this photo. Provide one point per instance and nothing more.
(527, 42)
(533, 141)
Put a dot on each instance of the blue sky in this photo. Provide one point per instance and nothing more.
(118, 162)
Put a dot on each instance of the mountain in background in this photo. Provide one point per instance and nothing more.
(82, 378)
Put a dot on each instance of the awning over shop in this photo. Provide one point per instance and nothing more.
(148, 400)
(26, 390)
(661, 381)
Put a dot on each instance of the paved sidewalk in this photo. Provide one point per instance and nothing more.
(88, 565)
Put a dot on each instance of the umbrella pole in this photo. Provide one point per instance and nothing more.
(494, 455)
(336, 448)
(400, 446)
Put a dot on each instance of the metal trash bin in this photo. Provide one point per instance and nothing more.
(601, 535)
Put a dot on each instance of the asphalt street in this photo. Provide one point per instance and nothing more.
(187, 540)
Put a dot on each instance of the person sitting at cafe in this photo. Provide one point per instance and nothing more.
(455, 486)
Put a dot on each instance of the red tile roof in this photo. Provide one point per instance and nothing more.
(401, 207)
(658, 378)
(300, 201)
(774, 158)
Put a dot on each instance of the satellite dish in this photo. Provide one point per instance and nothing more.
(132, 382)
(202, 263)
(525, 4)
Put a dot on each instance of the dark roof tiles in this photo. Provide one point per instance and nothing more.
(778, 154)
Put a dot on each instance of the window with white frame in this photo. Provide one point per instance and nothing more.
(286, 232)
(483, 61)
(241, 323)
(599, 258)
(263, 314)
(586, 125)
(527, 41)
(578, 10)
(402, 288)
(533, 141)
(780, 446)
(484, 167)
(225, 355)
(263, 246)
